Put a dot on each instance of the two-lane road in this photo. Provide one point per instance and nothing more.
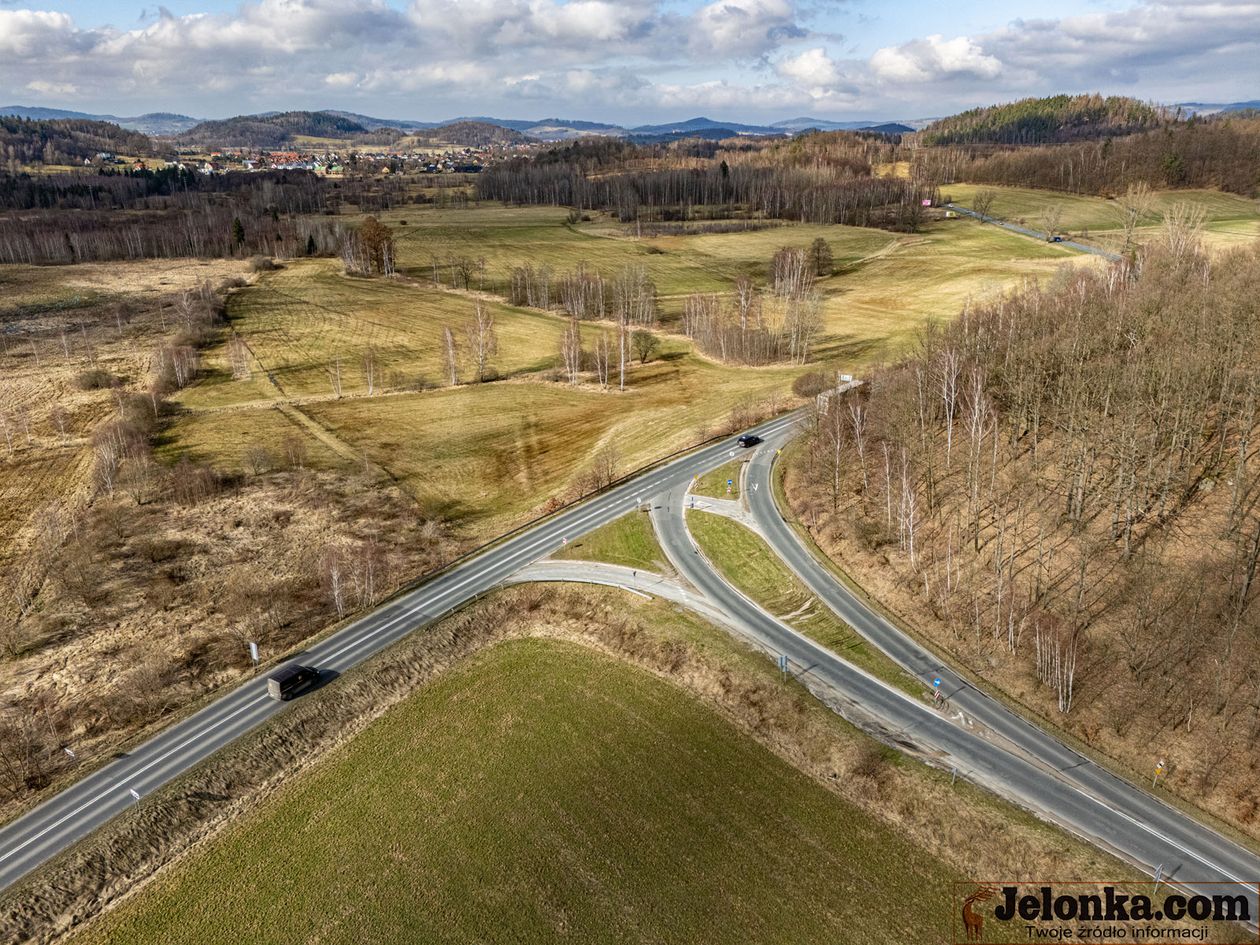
(50, 828)
(1140, 826)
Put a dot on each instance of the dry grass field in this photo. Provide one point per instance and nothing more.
(487, 454)
(55, 325)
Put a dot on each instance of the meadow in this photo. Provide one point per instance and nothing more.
(361, 365)
(1228, 218)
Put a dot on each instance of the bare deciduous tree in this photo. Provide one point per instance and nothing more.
(483, 340)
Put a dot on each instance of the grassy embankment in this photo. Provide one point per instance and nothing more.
(749, 564)
(714, 484)
(628, 541)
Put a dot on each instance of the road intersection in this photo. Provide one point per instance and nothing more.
(980, 738)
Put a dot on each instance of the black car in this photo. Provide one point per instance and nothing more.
(748, 440)
(290, 681)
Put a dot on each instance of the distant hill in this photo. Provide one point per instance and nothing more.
(471, 134)
(153, 123)
(1203, 108)
(1056, 119)
(66, 141)
(819, 124)
(888, 128)
(373, 124)
(696, 125)
(271, 131)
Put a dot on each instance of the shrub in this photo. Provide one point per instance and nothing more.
(261, 264)
(811, 384)
(96, 379)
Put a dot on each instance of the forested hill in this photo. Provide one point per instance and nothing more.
(64, 142)
(471, 134)
(1057, 119)
(271, 131)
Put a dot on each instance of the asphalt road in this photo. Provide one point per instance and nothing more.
(1025, 231)
(1047, 775)
(50, 828)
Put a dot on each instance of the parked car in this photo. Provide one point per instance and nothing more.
(748, 440)
(290, 681)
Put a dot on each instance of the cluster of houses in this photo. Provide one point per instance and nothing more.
(470, 160)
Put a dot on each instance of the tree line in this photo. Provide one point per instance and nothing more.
(1070, 479)
(174, 212)
(821, 194)
(1221, 153)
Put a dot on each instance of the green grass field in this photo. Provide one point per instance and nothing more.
(543, 792)
(628, 541)
(308, 319)
(1229, 218)
(506, 237)
(748, 563)
(713, 484)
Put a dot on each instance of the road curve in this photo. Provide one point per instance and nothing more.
(1025, 231)
(46, 830)
(1139, 826)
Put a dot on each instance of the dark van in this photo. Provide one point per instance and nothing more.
(290, 681)
(748, 440)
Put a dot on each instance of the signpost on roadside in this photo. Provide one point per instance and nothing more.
(134, 793)
(783, 665)
(253, 652)
(1159, 771)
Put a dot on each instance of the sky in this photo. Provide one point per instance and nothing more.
(625, 61)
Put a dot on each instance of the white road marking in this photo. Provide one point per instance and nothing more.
(131, 777)
(529, 548)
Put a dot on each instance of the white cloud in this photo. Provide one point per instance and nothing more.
(812, 69)
(25, 34)
(934, 58)
(55, 89)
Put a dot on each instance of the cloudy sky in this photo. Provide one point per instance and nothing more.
(620, 60)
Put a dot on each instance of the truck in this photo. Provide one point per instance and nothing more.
(290, 681)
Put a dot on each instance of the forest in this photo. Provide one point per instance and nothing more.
(1219, 153)
(172, 213)
(824, 193)
(1036, 471)
(64, 142)
(1055, 119)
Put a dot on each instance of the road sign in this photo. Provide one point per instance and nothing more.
(70, 752)
(253, 651)
(730, 482)
(783, 664)
(134, 793)
(936, 682)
